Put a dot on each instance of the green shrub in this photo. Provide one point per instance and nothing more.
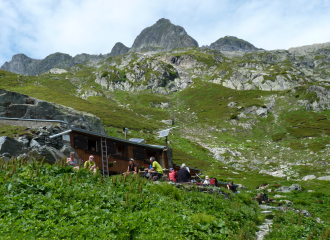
(278, 137)
(105, 74)
(202, 218)
(234, 116)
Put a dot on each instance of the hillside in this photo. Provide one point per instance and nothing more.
(258, 118)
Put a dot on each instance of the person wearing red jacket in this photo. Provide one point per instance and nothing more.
(172, 176)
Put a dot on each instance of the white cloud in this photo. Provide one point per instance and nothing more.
(39, 28)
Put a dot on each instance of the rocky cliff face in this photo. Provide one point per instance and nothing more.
(231, 43)
(309, 49)
(16, 105)
(22, 64)
(118, 49)
(163, 36)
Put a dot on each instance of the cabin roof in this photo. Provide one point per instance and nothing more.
(150, 146)
(156, 147)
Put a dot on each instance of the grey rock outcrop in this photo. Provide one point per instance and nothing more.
(51, 154)
(10, 146)
(22, 64)
(295, 187)
(163, 36)
(118, 49)
(37, 145)
(306, 50)
(231, 43)
(324, 178)
(16, 105)
(323, 99)
(308, 177)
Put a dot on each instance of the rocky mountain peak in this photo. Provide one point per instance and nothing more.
(118, 49)
(163, 36)
(232, 43)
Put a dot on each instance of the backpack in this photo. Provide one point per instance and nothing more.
(213, 181)
(264, 197)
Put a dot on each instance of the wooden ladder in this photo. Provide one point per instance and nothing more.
(105, 162)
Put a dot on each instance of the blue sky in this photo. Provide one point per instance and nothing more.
(38, 28)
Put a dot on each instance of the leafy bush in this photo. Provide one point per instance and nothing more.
(104, 74)
(278, 136)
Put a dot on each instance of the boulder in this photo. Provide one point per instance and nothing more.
(325, 178)
(51, 154)
(295, 187)
(34, 144)
(231, 104)
(10, 146)
(279, 196)
(262, 111)
(308, 177)
(66, 150)
(57, 71)
(24, 140)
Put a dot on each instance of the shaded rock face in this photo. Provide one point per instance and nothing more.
(163, 36)
(118, 49)
(15, 105)
(10, 146)
(231, 43)
(22, 64)
(37, 145)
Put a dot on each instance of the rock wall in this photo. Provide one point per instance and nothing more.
(16, 105)
(36, 145)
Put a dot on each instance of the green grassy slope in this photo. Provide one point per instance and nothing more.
(55, 202)
(289, 135)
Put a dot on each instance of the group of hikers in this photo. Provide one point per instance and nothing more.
(154, 172)
(90, 164)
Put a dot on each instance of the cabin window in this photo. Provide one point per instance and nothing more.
(139, 153)
(151, 154)
(121, 151)
(92, 145)
(111, 148)
(80, 142)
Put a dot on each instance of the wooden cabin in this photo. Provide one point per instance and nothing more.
(107, 149)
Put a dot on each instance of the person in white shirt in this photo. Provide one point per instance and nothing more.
(207, 180)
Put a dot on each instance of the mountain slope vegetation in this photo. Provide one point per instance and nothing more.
(258, 118)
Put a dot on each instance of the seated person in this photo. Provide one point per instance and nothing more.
(156, 170)
(90, 164)
(207, 180)
(231, 187)
(72, 161)
(183, 164)
(146, 173)
(132, 167)
(172, 176)
(183, 174)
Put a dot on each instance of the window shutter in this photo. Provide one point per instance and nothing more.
(111, 148)
(139, 153)
(80, 142)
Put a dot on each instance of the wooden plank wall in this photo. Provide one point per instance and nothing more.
(121, 164)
